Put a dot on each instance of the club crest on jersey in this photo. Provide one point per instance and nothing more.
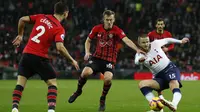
(99, 35)
(155, 60)
(123, 33)
(110, 66)
(110, 35)
(62, 36)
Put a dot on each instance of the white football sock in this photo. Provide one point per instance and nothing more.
(149, 96)
(15, 110)
(161, 96)
(176, 98)
(51, 110)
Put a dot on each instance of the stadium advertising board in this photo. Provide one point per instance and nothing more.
(184, 76)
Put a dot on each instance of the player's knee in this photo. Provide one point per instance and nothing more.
(21, 80)
(51, 82)
(108, 77)
(143, 83)
(140, 85)
(86, 72)
(173, 84)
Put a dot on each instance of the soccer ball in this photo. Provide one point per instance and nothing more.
(155, 104)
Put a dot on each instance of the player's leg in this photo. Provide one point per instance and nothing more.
(174, 86)
(93, 66)
(17, 93)
(52, 94)
(87, 71)
(106, 87)
(147, 86)
(81, 82)
(173, 77)
(24, 72)
(48, 74)
(160, 94)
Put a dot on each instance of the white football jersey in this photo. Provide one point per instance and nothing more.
(156, 60)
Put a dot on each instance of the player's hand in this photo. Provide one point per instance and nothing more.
(142, 59)
(185, 40)
(165, 49)
(87, 56)
(141, 51)
(75, 64)
(17, 40)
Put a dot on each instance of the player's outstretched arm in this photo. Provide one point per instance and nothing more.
(87, 48)
(129, 43)
(63, 51)
(172, 40)
(21, 25)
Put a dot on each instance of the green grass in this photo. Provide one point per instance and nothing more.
(124, 96)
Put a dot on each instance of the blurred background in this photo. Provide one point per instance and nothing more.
(182, 18)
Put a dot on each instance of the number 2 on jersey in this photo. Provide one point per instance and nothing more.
(35, 38)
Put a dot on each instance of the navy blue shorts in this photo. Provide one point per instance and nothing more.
(171, 72)
(30, 65)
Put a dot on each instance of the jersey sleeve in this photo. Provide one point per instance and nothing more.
(137, 57)
(60, 35)
(33, 18)
(121, 33)
(165, 41)
(93, 33)
(171, 46)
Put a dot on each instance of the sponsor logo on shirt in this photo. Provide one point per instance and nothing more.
(103, 43)
(155, 60)
(123, 33)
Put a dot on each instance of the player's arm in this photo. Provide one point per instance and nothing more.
(87, 48)
(129, 43)
(170, 47)
(64, 52)
(139, 58)
(21, 24)
(88, 42)
(165, 41)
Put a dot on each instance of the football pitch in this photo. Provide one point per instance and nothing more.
(124, 96)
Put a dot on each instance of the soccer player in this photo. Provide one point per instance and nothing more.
(104, 58)
(167, 74)
(46, 29)
(160, 33)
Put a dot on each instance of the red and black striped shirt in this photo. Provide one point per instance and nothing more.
(107, 41)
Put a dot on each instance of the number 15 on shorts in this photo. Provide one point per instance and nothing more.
(172, 76)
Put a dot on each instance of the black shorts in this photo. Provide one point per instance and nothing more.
(30, 65)
(99, 65)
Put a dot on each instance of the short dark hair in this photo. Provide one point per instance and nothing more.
(160, 19)
(142, 36)
(60, 8)
(108, 12)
